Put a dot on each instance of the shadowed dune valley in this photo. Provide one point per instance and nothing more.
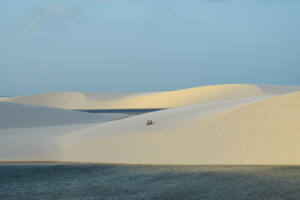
(231, 124)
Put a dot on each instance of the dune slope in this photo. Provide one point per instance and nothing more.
(227, 124)
(169, 99)
(262, 132)
(14, 115)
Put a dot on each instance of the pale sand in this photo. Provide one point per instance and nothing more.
(217, 125)
(77, 100)
(20, 116)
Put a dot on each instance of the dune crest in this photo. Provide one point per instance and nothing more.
(224, 124)
(188, 96)
(66, 100)
(168, 99)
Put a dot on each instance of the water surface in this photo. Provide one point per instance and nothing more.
(129, 112)
(65, 181)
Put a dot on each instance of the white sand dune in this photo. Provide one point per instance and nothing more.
(64, 100)
(225, 124)
(35, 143)
(77, 100)
(278, 89)
(14, 115)
(261, 132)
(106, 96)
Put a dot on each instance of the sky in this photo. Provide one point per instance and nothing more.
(146, 45)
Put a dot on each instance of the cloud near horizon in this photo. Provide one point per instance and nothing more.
(52, 16)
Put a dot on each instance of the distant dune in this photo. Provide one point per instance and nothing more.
(223, 124)
(77, 100)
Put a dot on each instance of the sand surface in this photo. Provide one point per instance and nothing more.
(169, 99)
(222, 124)
(20, 116)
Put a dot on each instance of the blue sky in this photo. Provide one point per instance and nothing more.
(146, 45)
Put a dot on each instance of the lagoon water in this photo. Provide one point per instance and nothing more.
(129, 112)
(82, 181)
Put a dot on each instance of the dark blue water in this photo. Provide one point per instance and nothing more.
(56, 181)
(123, 111)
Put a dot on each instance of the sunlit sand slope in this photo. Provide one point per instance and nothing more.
(67, 100)
(77, 100)
(261, 132)
(226, 124)
(188, 96)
